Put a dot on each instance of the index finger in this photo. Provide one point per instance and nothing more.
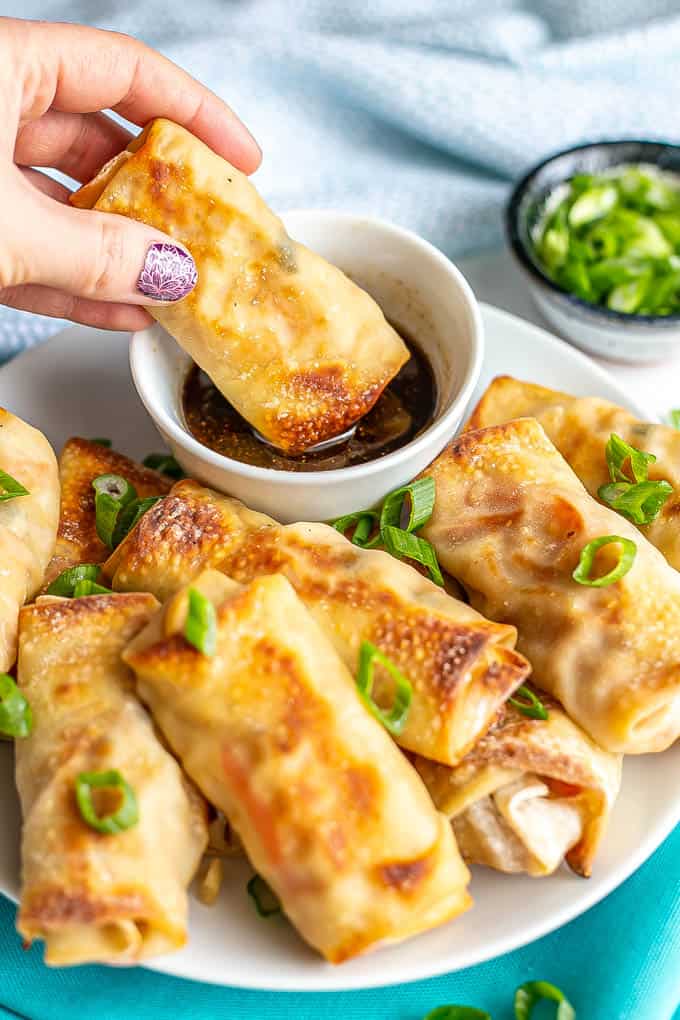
(84, 69)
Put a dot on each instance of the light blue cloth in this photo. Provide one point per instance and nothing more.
(421, 112)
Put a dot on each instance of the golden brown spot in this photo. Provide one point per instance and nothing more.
(55, 906)
(362, 785)
(335, 403)
(405, 876)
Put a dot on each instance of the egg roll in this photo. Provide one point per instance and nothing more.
(28, 523)
(530, 794)
(80, 462)
(462, 667)
(273, 732)
(580, 428)
(95, 897)
(510, 522)
(294, 345)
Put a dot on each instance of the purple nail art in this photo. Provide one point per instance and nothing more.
(169, 273)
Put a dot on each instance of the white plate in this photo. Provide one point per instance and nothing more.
(79, 384)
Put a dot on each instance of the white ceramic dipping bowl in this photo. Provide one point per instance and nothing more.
(419, 289)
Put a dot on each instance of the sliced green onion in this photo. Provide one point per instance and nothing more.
(16, 718)
(410, 506)
(592, 205)
(165, 463)
(101, 442)
(611, 239)
(528, 703)
(10, 488)
(363, 522)
(457, 1013)
(628, 297)
(200, 628)
(115, 486)
(126, 814)
(263, 896)
(394, 720)
(106, 514)
(640, 503)
(69, 578)
(130, 515)
(112, 493)
(617, 452)
(674, 417)
(404, 545)
(86, 587)
(532, 992)
(626, 559)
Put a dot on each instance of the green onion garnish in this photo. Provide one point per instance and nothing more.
(101, 442)
(69, 578)
(165, 463)
(674, 417)
(613, 239)
(86, 587)
(457, 1013)
(10, 488)
(116, 487)
(125, 815)
(404, 545)
(263, 896)
(16, 718)
(112, 493)
(640, 503)
(532, 992)
(394, 720)
(410, 506)
(528, 703)
(363, 522)
(619, 452)
(130, 515)
(200, 628)
(626, 558)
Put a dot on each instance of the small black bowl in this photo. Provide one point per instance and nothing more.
(597, 329)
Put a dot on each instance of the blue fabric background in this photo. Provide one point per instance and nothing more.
(421, 111)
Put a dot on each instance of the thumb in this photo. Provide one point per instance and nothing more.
(96, 255)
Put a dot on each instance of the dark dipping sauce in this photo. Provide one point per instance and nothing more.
(402, 411)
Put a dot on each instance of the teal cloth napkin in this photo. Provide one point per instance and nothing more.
(619, 961)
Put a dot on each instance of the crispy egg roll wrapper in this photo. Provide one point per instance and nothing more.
(28, 524)
(272, 730)
(298, 348)
(95, 897)
(80, 462)
(462, 667)
(580, 428)
(510, 521)
(531, 793)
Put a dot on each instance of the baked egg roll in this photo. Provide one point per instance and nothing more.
(28, 522)
(510, 522)
(294, 345)
(461, 667)
(80, 462)
(93, 896)
(580, 428)
(531, 793)
(273, 732)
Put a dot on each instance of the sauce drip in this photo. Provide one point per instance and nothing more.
(402, 411)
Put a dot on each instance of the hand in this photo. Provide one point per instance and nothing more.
(54, 81)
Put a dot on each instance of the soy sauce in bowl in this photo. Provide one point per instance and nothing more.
(404, 409)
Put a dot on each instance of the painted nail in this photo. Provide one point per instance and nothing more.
(169, 273)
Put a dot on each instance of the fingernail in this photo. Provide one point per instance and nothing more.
(169, 273)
